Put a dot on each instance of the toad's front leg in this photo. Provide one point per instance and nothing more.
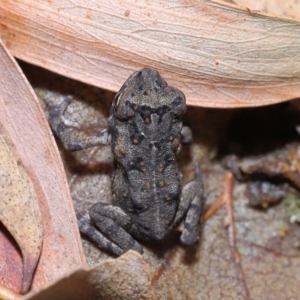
(69, 134)
(114, 225)
(191, 206)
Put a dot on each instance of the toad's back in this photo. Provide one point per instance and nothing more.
(145, 125)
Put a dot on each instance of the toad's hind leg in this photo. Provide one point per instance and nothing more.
(192, 204)
(114, 223)
(88, 229)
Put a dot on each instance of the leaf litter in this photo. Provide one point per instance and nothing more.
(243, 265)
(268, 250)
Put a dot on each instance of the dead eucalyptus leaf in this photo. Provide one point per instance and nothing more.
(19, 210)
(24, 120)
(217, 54)
(290, 8)
(6, 294)
(127, 277)
(11, 263)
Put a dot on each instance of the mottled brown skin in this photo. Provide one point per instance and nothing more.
(145, 132)
(145, 136)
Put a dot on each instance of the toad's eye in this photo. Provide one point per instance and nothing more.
(121, 110)
(178, 104)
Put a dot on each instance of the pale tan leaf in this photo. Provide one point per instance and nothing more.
(19, 210)
(218, 55)
(290, 8)
(27, 126)
(127, 277)
(6, 294)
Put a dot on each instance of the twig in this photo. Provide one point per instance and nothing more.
(228, 184)
(227, 198)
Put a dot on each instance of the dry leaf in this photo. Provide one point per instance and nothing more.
(28, 129)
(19, 210)
(7, 294)
(218, 55)
(290, 8)
(282, 163)
(11, 266)
(124, 278)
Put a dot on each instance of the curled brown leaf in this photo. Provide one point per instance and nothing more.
(19, 210)
(127, 277)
